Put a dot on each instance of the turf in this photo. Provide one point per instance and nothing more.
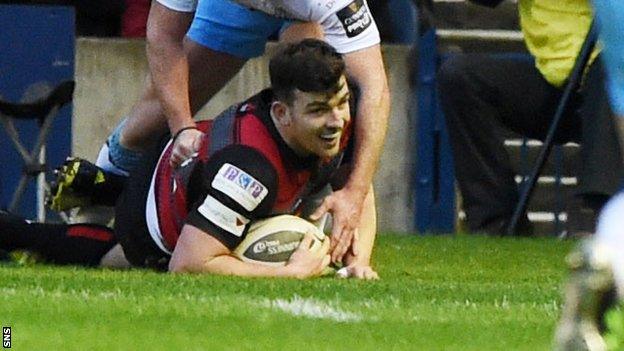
(436, 293)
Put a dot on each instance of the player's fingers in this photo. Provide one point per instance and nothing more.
(324, 247)
(369, 273)
(184, 151)
(174, 161)
(197, 142)
(365, 273)
(354, 243)
(325, 262)
(343, 245)
(372, 275)
(359, 273)
(321, 210)
(306, 242)
(337, 233)
(336, 253)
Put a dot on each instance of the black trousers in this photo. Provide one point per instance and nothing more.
(130, 224)
(479, 93)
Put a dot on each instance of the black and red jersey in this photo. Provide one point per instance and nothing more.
(244, 171)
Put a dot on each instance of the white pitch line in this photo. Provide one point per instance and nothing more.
(311, 308)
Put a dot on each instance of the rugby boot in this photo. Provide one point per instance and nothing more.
(80, 183)
(590, 283)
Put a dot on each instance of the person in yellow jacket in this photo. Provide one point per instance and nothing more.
(480, 92)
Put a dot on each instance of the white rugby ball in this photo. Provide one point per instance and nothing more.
(271, 241)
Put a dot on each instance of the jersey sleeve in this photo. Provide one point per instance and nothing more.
(179, 5)
(350, 28)
(240, 186)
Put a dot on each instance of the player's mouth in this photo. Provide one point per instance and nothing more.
(331, 136)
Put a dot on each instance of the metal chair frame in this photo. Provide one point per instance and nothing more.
(44, 111)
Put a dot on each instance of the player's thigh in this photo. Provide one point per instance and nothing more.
(131, 230)
(209, 71)
(227, 27)
(511, 87)
(222, 37)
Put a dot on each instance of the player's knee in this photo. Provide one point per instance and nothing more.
(453, 73)
(114, 157)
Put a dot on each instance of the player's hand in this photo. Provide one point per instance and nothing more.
(346, 208)
(185, 145)
(358, 272)
(306, 262)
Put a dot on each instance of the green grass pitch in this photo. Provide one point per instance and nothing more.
(435, 293)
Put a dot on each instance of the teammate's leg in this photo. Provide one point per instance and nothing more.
(80, 244)
(222, 37)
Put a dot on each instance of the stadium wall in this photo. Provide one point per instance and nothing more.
(111, 72)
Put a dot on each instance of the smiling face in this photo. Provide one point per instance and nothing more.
(314, 122)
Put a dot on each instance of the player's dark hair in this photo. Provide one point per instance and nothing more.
(310, 66)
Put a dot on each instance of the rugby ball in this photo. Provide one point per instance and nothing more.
(271, 241)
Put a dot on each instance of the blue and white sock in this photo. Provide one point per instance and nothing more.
(114, 157)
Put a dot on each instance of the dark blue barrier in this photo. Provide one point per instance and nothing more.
(435, 193)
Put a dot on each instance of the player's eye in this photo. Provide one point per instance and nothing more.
(318, 110)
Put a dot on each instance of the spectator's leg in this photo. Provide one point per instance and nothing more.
(479, 92)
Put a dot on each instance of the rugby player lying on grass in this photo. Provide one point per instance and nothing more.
(270, 154)
(194, 47)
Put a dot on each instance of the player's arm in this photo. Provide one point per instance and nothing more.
(359, 265)
(353, 32)
(238, 185)
(365, 68)
(199, 252)
(169, 69)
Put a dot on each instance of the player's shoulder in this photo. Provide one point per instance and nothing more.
(256, 129)
(348, 25)
(237, 185)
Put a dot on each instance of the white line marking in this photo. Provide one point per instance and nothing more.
(311, 308)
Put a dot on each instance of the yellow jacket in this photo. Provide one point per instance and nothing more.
(554, 31)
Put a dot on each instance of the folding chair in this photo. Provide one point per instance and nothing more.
(573, 84)
(44, 111)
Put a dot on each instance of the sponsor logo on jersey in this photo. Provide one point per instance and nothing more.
(355, 18)
(240, 186)
(223, 216)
